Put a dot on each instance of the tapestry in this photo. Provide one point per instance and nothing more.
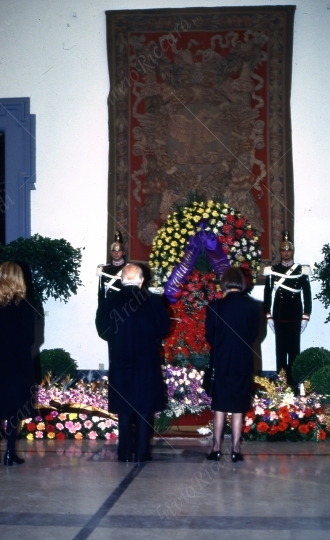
(199, 101)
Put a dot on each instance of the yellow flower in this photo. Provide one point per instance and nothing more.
(41, 426)
(196, 219)
(73, 416)
(205, 215)
(213, 221)
(215, 213)
(200, 210)
(177, 235)
(174, 243)
(51, 435)
(182, 240)
(183, 231)
(30, 437)
(169, 230)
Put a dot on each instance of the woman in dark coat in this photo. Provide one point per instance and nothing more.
(16, 365)
(232, 326)
(134, 321)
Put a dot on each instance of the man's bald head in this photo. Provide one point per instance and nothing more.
(132, 274)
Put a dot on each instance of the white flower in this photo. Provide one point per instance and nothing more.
(259, 410)
(204, 431)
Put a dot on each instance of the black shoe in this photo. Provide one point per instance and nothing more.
(236, 456)
(214, 456)
(11, 457)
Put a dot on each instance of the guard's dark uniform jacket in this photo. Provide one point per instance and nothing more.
(292, 302)
(111, 270)
(287, 302)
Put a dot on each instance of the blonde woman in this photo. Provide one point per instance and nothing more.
(16, 365)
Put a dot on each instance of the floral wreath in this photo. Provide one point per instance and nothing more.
(237, 238)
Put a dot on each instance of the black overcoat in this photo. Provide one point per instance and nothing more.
(17, 384)
(134, 321)
(232, 325)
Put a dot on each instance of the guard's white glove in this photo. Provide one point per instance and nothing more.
(271, 325)
(303, 327)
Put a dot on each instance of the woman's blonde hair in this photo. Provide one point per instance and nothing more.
(12, 284)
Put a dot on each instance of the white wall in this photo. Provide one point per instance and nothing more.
(59, 61)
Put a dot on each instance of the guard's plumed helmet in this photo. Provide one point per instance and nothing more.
(286, 244)
(118, 244)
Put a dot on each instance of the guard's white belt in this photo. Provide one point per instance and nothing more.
(287, 288)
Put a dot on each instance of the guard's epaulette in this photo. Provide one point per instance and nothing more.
(267, 271)
(306, 269)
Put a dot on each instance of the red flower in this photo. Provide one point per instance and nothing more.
(322, 435)
(50, 428)
(273, 430)
(249, 234)
(311, 425)
(308, 412)
(294, 423)
(49, 417)
(31, 426)
(239, 223)
(250, 414)
(230, 240)
(60, 435)
(246, 429)
(239, 233)
(303, 428)
(262, 426)
(227, 228)
(221, 238)
(283, 426)
(230, 218)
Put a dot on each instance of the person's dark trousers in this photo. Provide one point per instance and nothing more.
(125, 434)
(11, 437)
(142, 436)
(134, 436)
(287, 339)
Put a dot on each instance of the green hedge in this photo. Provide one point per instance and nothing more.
(58, 362)
(309, 362)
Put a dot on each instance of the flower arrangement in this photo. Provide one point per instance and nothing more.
(186, 344)
(278, 415)
(65, 425)
(239, 241)
(90, 420)
(199, 290)
(93, 395)
(185, 392)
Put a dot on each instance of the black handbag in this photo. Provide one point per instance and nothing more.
(208, 380)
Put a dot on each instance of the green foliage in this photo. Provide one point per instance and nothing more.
(309, 362)
(322, 273)
(54, 265)
(58, 362)
(320, 380)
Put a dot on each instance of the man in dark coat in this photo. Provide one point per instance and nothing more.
(288, 316)
(134, 321)
(109, 274)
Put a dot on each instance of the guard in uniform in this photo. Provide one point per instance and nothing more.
(287, 304)
(109, 274)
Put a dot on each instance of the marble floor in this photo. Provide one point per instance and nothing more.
(74, 490)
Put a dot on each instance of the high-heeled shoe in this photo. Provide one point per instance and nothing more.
(12, 457)
(214, 456)
(236, 456)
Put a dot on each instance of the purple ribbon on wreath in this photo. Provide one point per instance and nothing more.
(217, 257)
